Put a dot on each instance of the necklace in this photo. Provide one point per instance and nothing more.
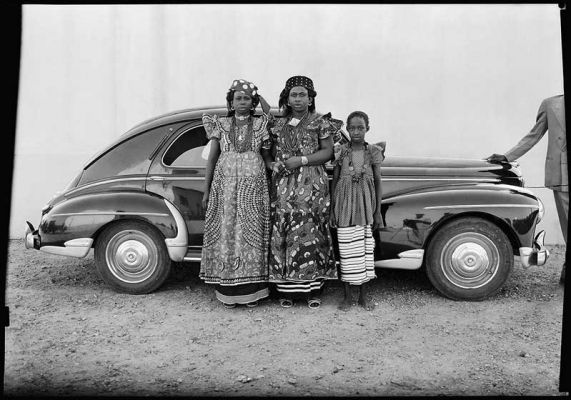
(356, 176)
(241, 140)
(241, 117)
(290, 139)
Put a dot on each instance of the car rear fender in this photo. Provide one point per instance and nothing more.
(84, 217)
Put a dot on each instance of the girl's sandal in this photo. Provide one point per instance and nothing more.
(227, 305)
(286, 303)
(313, 303)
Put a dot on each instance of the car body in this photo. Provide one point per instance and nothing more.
(137, 203)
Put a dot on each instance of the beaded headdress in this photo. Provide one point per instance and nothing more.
(242, 85)
(298, 80)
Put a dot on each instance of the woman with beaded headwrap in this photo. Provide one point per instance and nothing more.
(236, 199)
(301, 252)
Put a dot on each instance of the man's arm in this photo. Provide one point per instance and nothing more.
(528, 141)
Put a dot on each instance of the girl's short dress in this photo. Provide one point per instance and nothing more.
(355, 202)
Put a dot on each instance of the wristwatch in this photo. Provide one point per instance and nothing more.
(304, 160)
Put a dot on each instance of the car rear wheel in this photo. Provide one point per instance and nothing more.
(469, 259)
(132, 257)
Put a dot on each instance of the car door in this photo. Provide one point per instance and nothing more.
(177, 174)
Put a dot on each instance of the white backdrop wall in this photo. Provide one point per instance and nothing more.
(436, 80)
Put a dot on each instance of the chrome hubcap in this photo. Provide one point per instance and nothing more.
(470, 260)
(131, 256)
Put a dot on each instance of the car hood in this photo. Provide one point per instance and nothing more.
(452, 167)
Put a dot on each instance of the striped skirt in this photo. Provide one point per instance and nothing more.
(356, 250)
(297, 290)
(242, 294)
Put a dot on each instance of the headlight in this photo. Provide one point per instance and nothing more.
(541, 210)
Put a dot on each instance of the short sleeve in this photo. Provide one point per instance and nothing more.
(340, 154)
(212, 126)
(325, 126)
(377, 152)
(262, 123)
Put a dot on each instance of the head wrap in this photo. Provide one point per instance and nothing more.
(298, 80)
(242, 85)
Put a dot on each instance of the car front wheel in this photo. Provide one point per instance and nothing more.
(469, 259)
(132, 257)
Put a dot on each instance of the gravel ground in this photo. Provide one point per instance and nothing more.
(72, 335)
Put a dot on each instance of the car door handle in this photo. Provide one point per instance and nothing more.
(157, 178)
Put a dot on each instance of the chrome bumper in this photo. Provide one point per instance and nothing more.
(31, 237)
(72, 248)
(536, 255)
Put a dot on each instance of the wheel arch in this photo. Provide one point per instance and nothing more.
(500, 223)
(127, 219)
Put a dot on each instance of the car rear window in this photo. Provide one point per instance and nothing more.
(130, 157)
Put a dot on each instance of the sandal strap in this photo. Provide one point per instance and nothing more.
(286, 303)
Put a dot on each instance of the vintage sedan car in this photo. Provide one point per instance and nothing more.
(137, 203)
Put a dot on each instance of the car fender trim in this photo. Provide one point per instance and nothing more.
(178, 245)
(73, 248)
(410, 259)
(481, 206)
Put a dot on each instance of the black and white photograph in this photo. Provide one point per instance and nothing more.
(354, 200)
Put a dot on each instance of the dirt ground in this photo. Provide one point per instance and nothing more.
(70, 334)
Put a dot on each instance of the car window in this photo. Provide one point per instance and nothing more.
(130, 157)
(189, 150)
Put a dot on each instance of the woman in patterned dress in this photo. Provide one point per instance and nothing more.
(301, 252)
(236, 199)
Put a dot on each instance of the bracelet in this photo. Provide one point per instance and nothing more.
(304, 160)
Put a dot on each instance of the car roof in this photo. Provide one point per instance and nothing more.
(187, 114)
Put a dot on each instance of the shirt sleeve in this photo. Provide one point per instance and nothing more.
(377, 153)
(264, 130)
(340, 155)
(325, 126)
(212, 126)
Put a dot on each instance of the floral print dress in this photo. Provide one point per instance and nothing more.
(301, 252)
(236, 233)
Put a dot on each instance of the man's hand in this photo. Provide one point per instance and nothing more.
(496, 158)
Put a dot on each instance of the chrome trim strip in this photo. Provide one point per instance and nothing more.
(443, 179)
(428, 168)
(481, 206)
(514, 188)
(192, 258)
(399, 263)
(73, 248)
(88, 185)
(416, 253)
(410, 259)
(177, 246)
(112, 213)
(176, 178)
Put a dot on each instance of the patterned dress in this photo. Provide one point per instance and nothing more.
(301, 252)
(236, 233)
(355, 203)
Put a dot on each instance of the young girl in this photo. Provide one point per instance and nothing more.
(356, 206)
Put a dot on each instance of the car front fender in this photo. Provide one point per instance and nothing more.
(410, 219)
